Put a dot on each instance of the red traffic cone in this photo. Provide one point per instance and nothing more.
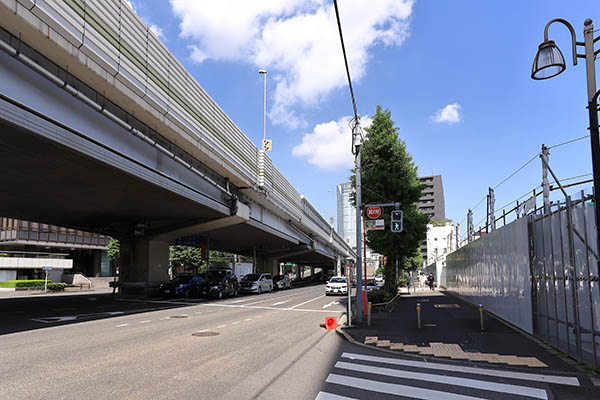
(330, 323)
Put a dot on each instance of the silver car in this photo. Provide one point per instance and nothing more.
(256, 283)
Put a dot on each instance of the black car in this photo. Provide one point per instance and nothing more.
(167, 289)
(219, 283)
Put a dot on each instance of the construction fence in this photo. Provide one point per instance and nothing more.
(539, 273)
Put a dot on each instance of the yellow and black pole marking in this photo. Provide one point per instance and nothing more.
(419, 315)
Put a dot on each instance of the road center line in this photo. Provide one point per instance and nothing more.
(122, 325)
(307, 301)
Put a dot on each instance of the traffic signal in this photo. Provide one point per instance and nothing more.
(396, 222)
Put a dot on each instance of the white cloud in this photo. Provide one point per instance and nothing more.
(158, 32)
(297, 41)
(449, 114)
(328, 146)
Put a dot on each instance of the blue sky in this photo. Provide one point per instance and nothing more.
(455, 75)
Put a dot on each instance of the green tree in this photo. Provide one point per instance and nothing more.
(112, 250)
(182, 256)
(390, 175)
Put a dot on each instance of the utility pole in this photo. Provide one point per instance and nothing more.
(545, 183)
(492, 204)
(359, 260)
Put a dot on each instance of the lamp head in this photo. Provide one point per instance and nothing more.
(548, 62)
(262, 71)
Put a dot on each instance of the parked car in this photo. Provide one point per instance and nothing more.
(192, 288)
(371, 284)
(168, 288)
(256, 283)
(282, 282)
(336, 285)
(219, 283)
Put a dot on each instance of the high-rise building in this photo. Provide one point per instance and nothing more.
(431, 204)
(346, 214)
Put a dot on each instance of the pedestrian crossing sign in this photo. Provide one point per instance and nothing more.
(267, 144)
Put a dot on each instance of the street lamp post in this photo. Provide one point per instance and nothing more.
(261, 153)
(263, 72)
(548, 63)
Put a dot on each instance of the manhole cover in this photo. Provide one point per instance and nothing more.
(446, 306)
(205, 334)
(178, 316)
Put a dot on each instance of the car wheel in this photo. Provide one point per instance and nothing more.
(188, 293)
(235, 293)
(220, 295)
(259, 290)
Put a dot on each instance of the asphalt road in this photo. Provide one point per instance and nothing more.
(268, 346)
(259, 346)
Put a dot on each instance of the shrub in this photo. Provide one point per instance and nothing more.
(379, 296)
(402, 282)
(23, 283)
(56, 287)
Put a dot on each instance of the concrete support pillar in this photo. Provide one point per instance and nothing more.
(143, 260)
(96, 262)
(267, 265)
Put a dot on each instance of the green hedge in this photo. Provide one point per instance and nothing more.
(23, 283)
(379, 296)
(56, 287)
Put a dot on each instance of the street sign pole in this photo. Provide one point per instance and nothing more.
(46, 269)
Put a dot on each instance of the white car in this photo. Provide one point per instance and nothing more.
(256, 283)
(336, 285)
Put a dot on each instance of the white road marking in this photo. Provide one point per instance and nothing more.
(448, 380)
(122, 325)
(282, 302)
(307, 301)
(165, 318)
(273, 308)
(240, 301)
(259, 316)
(271, 298)
(331, 304)
(563, 380)
(331, 396)
(198, 312)
(221, 326)
(248, 319)
(235, 323)
(203, 330)
(399, 390)
(145, 321)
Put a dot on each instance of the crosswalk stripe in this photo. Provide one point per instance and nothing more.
(556, 379)
(331, 396)
(449, 380)
(395, 389)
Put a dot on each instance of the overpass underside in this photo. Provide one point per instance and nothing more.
(67, 164)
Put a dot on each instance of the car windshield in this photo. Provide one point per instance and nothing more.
(216, 274)
(250, 277)
(277, 278)
(337, 280)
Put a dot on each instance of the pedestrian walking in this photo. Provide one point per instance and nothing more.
(430, 280)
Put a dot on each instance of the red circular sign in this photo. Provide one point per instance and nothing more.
(374, 212)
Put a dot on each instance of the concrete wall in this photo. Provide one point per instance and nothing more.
(494, 271)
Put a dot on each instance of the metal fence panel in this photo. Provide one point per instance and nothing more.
(494, 271)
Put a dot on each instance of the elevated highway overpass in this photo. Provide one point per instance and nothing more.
(103, 130)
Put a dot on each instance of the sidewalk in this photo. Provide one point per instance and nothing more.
(12, 294)
(450, 329)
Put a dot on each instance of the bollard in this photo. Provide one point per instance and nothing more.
(481, 318)
(419, 315)
(369, 314)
